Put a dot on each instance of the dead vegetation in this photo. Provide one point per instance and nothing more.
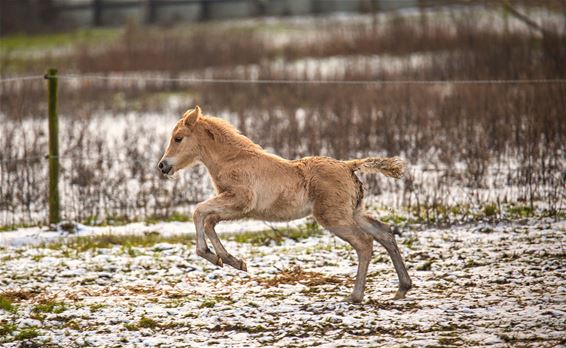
(474, 136)
(296, 275)
(17, 295)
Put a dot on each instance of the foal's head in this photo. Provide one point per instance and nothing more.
(182, 150)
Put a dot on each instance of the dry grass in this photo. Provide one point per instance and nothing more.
(18, 295)
(296, 275)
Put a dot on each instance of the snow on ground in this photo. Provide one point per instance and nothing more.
(41, 235)
(475, 285)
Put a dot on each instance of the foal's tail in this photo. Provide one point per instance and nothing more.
(388, 166)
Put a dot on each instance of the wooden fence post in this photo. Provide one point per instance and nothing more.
(97, 8)
(151, 12)
(204, 10)
(54, 206)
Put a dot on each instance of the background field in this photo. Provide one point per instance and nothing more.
(471, 147)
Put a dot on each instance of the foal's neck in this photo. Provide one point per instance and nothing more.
(222, 144)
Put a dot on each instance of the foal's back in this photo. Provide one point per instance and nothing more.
(287, 190)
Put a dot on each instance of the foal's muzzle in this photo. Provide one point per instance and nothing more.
(165, 167)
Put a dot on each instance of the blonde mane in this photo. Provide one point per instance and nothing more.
(224, 133)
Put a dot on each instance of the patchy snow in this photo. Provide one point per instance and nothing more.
(40, 235)
(499, 286)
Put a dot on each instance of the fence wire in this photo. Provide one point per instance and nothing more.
(73, 158)
(281, 81)
(21, 78)
(306, 82)
(247, 81)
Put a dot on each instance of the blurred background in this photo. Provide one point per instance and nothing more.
(472, 93)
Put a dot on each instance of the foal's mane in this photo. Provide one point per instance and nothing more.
(224, 133)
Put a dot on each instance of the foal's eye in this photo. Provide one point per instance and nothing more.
(178, 139)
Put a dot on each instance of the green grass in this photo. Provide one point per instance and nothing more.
(129, 241)
(128, 249)
(410, 242)
(120, 220)
(148, 323)
(50, 307)
(490, 210)
(439, 214)
(37, 257)
(7, 305)
(394, 219)
(7, 328)
(173, 217)
(111, 220)
(277, 236)
(97, 306)
(131, 327)
(114, 220)
(520, 211)
(210, 302)
(207, 303)
(425, 266)
(12, 227)
(22, 42)
(422, 214)
(143, 323)
(26, 334)
(104, 241)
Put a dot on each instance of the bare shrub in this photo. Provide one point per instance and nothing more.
(478, 137)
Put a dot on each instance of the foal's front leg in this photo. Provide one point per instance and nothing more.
(202, 248)
(226, 206)
(226, 257)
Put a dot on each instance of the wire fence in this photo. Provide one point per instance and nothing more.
(310, 82)
(68, 158)
(98, 180)
(250, 81)
(21, 78)
(284, 81)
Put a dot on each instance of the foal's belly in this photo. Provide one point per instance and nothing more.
(281, 215)
(285, 206)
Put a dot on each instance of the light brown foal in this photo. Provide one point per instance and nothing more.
(251, 183)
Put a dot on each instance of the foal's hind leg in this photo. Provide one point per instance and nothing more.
(384, 236)
(362, 242)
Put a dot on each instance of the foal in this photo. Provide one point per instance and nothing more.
(251, 183)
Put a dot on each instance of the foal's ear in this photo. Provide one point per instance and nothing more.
(192, 116)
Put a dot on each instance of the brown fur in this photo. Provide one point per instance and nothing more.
(252, 183)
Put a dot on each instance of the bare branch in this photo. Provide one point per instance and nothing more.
(523, 18)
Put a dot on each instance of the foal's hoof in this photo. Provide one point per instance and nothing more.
(211, 257)
(236, 263)
(219, 262)
(243, 266)
(354, 299)
(399, 295)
